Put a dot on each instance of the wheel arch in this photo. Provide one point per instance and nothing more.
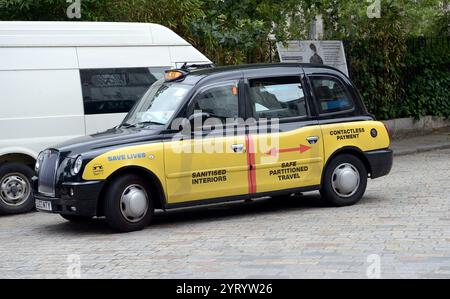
(352, 150)
(141, 171)
(18, 157)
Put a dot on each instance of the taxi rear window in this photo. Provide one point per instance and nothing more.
(331, 94)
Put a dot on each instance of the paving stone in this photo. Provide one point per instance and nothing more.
(403, 219)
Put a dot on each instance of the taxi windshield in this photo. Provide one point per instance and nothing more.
(158, 104)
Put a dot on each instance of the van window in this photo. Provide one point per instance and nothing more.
(278, 97)
(116, 90)
(331, 95)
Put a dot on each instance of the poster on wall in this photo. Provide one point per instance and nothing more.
(314, 51)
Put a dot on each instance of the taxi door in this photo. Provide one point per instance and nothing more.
(287, 145)
(212, 162)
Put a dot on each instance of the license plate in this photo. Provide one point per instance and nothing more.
(43, 205)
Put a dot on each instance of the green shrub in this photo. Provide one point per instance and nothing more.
(402, 78)
(427, 89)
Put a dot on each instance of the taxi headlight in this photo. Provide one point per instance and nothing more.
(39, 160)
(76, 166)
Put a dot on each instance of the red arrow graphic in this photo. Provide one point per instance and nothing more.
(301, 149)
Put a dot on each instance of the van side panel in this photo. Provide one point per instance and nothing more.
(100, 122)
(13, 59)
(182, 54)
(107, 57)
(39, 108)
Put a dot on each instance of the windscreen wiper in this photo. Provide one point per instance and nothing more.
(149, 122)
(142, 123)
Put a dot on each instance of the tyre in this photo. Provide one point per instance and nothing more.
(345, 181)
(16, 195)
(76, 218)
(128, 206)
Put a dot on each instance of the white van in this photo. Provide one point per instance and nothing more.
(60, 80)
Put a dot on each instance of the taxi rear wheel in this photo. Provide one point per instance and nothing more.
(128, 206)
(345, 181)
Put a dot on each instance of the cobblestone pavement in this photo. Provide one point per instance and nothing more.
(404, 219)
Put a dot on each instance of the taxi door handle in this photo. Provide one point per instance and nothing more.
(238, 148)
(312, 139)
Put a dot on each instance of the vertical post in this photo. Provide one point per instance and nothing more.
(312, 31)
(270, 50)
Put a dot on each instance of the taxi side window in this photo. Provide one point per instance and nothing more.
(331, 95)
(278, 97)
(220, 101)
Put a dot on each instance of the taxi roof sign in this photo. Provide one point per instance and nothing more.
(181, 73)
(172, 75)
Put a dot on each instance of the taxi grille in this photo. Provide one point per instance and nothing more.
(47, 173)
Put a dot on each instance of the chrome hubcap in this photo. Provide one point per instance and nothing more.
(134, 203)
(345, 180)
(15, 189)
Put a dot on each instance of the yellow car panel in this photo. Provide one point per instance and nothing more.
(148, 156)
(292, 163)
(354, 134)
(194, 174)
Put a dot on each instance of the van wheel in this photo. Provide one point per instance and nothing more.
(16, 195)
(345, 181)
(127, 204)
(76, 218)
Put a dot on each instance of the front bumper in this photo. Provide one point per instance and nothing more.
(73, 198)
(380, 162)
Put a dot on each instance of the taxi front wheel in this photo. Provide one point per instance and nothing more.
(128, 205)
(345, 181)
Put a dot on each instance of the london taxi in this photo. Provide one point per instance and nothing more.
(324, 139)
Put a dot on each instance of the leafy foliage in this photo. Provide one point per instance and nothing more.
(395, 79)
(427, 92)
(376, 59)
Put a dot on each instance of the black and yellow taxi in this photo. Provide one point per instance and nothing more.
(214, 135)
